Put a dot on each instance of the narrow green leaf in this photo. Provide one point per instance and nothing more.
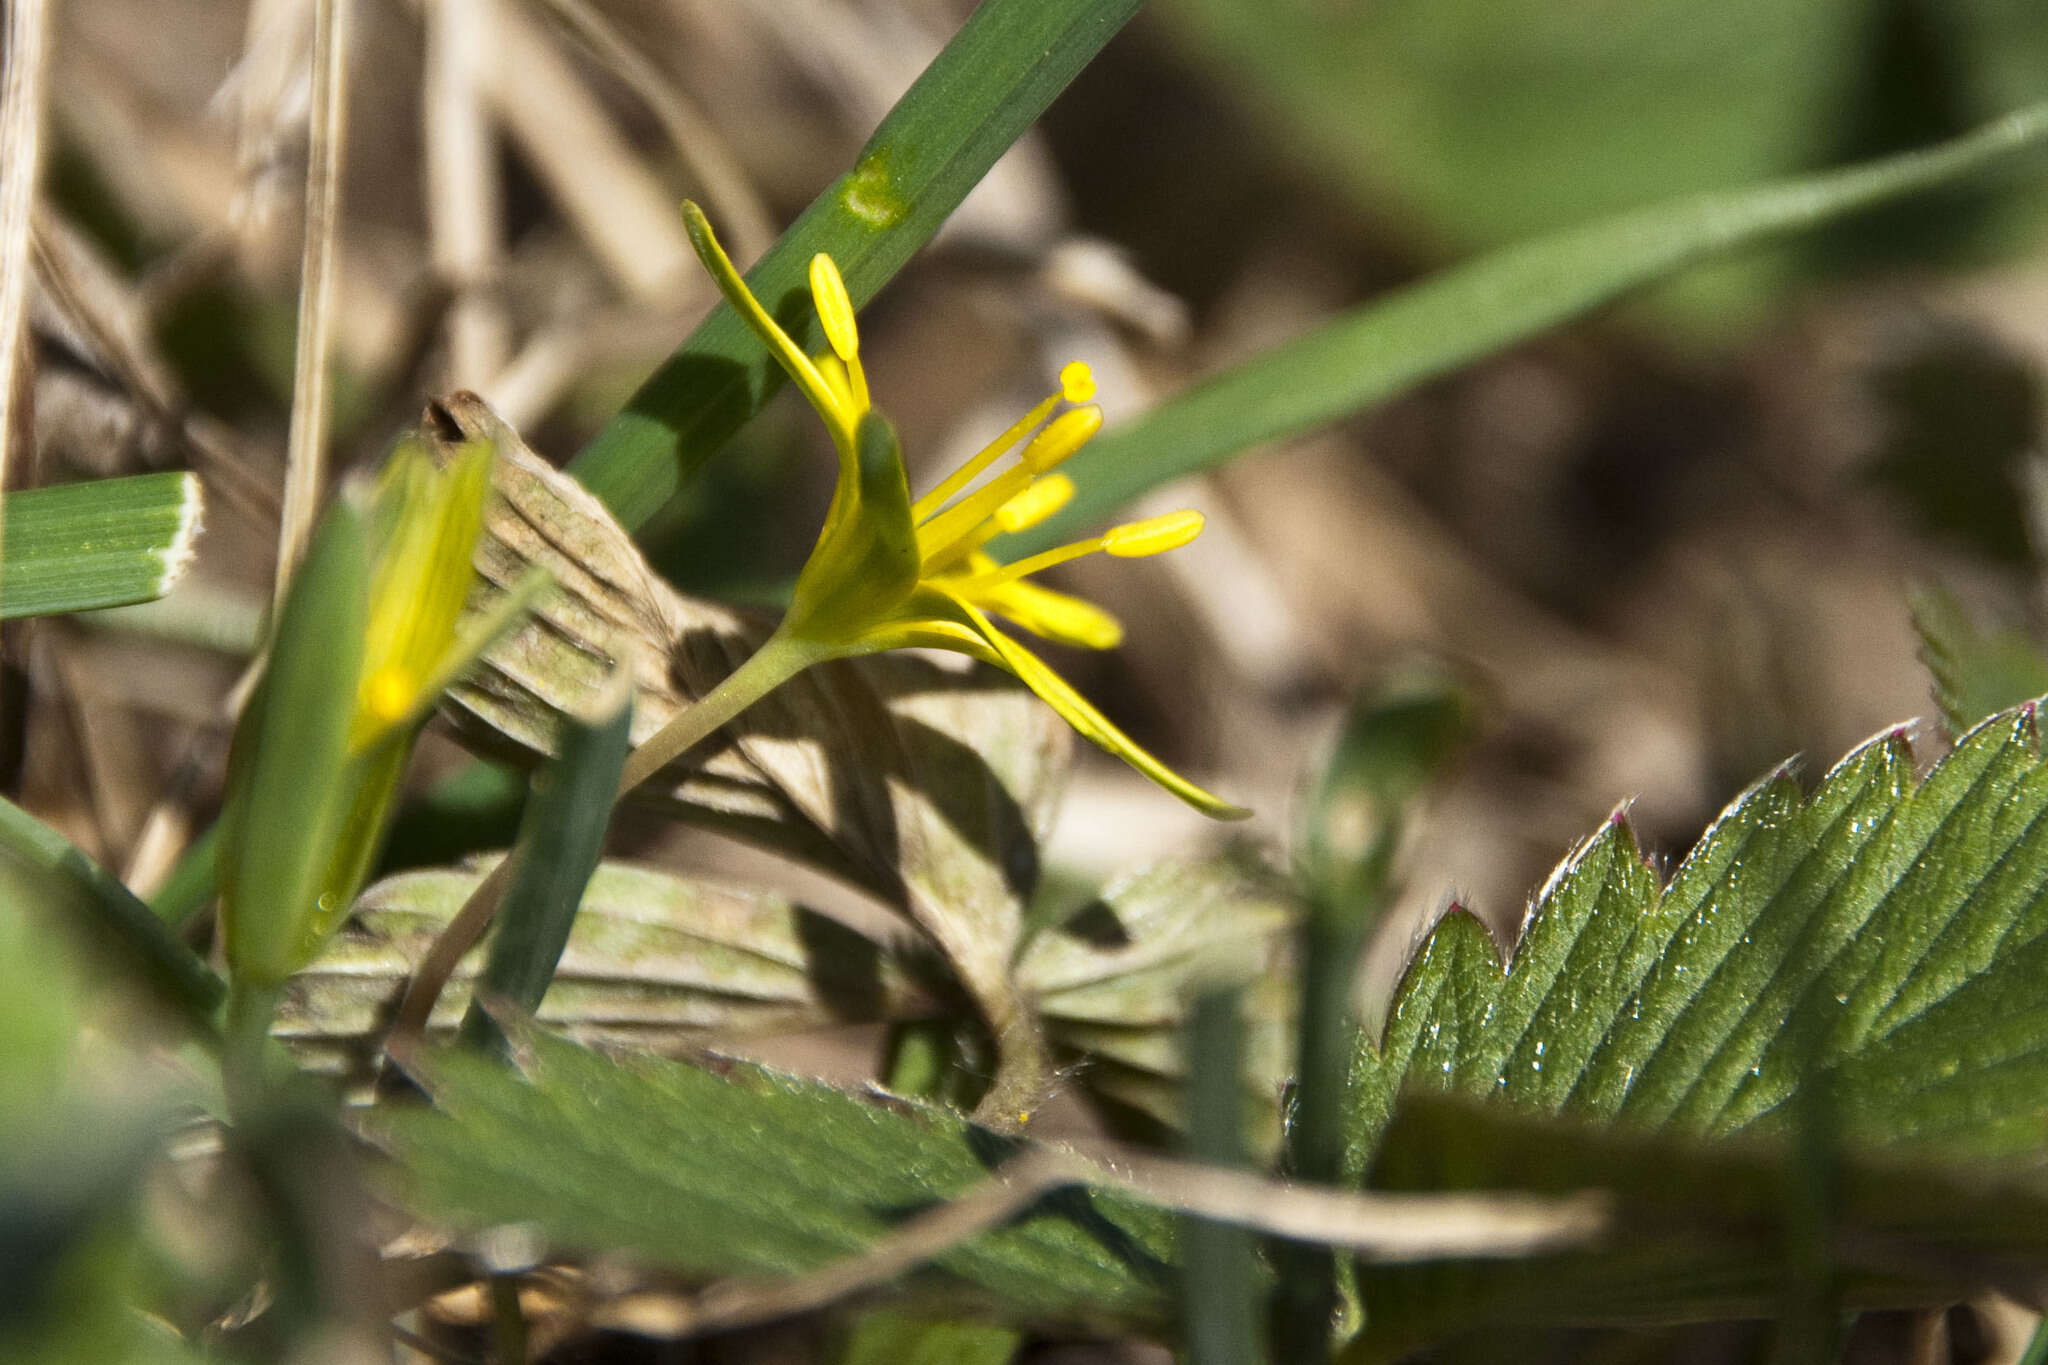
(105, 543)
(745, 1172)
(1701, 1229)
(1892, 932)
(560, 841)
(1220, 1289)
(992, 81)
(1976, 670)
(1397, 738)
(39, 867)
(1453, 318)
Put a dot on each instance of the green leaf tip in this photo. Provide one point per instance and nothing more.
(97, 544)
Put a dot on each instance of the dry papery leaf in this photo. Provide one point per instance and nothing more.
(655, 961)
(665, 962)
(927, 785)
(1113, 982)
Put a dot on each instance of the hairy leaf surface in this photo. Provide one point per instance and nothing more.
(753, 1173)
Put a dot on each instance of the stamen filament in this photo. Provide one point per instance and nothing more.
(924, 507)
(944, 538)
(1032, 564)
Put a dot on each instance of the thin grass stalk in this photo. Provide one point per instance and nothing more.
(306, 443)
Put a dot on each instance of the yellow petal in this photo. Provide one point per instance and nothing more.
(1091, 724)
(801, 370)
(1054, 615)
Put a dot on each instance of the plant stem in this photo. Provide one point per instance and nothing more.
(770, 666)
(245, 1053)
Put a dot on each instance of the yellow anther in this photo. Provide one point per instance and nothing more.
(1062, 436)
(1043, 498)
(1077, 382)
(835, 309)
(1154, 535)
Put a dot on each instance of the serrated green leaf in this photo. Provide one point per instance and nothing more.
(1390, 345)
(1888, 930)
(1976, 671)
(653, 959)
(746, 1172)
(105, 543)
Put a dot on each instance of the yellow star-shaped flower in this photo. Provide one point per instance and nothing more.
(889, 572)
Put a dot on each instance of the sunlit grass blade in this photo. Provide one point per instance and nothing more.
(105, 543)
(1390, 345)
(992, 81)
(45, 870)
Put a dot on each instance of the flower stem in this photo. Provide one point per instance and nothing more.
(770, 666)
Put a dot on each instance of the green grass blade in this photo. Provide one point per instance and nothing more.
(105, 543)
(992, 81)
(1391, 345)
(46, 870)
(560, 841)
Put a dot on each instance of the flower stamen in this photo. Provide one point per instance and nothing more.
(1132, 540)
(1077, 385)
(835, 312)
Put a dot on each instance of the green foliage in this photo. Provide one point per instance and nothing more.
(891, 1338)
(560, 841)
(39, 867)
(292, 783)
(1976, 670)
(1453, 318)
(1701, 1230)
(991, 82)
(1587, 111)
(743, 1172)
(1882, 935)
(107, 543)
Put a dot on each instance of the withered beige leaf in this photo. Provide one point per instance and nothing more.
(1113, 982)
(655, 959)
(928, 784)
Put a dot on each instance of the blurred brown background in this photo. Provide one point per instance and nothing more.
(1666, 548)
